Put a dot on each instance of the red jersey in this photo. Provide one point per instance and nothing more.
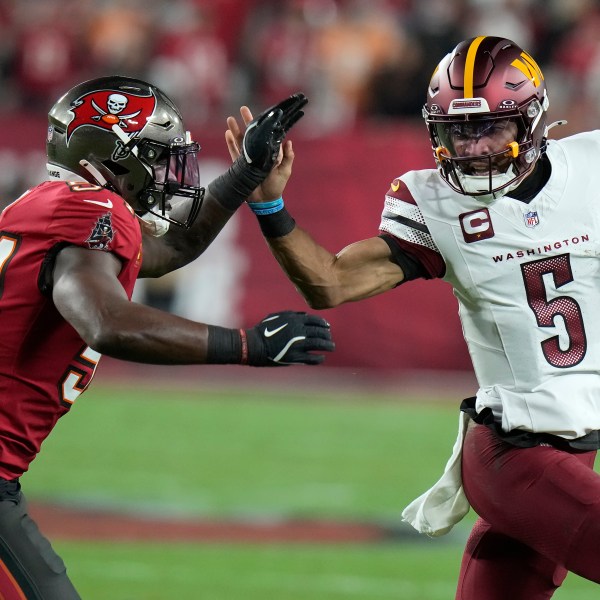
(44, 363)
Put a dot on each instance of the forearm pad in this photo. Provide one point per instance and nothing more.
(232, 188)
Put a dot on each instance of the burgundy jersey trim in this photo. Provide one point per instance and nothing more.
(431, 262)
(403, 221)
(399, 190)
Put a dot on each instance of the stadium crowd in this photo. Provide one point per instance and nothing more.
(355, 59)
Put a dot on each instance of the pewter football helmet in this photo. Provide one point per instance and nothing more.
(128, 136)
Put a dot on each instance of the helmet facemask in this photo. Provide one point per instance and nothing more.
(168, 173)
(509, 154)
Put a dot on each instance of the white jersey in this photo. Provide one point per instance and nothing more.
(527, 279)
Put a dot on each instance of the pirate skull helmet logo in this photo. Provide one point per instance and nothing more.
(105, 108)
(115, 104)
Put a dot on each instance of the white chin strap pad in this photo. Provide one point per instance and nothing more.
(474, 184)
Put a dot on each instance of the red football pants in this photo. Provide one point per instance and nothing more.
(539, 512)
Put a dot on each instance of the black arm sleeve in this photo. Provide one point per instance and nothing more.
(410, 266)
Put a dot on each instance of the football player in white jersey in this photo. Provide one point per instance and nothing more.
(511, 220)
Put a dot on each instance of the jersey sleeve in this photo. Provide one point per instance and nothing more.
(403, 224)
(96, 219)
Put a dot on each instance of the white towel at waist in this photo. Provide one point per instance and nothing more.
(437, 510)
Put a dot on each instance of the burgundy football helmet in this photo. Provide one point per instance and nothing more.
(484, 86)
(128, 136)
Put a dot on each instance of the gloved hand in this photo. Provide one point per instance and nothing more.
(263, 136)
(260, 149)
(287, 338)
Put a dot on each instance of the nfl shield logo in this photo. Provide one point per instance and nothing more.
(531, 218)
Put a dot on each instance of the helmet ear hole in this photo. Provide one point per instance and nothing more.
(115, 168)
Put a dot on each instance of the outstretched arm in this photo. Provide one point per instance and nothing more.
(87, 293)
(359, 271)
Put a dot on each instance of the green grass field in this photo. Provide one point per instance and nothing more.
(255, 455)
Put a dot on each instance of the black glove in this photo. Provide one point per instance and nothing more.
(260, 149)
(264, 134)
(288, 338)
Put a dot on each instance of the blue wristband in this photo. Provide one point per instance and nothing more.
(266, 208)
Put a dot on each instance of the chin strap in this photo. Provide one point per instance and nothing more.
(555, 124)
(91, 169)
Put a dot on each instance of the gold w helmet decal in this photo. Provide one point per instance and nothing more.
(529, 68)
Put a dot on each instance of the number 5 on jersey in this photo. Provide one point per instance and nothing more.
(78, 376)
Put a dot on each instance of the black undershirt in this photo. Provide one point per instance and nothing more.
(530, 187)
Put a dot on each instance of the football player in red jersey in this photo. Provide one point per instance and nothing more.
(124, 201)
(510, 220)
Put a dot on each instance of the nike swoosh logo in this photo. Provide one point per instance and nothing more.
(107, 204)
(269, 333)
(395, 185)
